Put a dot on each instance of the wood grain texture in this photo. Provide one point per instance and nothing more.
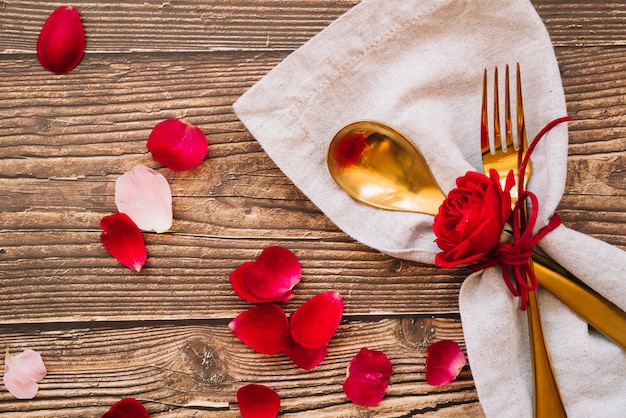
(161, 335)
(171, 368)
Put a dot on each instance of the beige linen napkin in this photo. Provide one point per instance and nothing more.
(417, 65)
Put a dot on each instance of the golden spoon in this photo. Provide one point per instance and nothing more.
(379, 166)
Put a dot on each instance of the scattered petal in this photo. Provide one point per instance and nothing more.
(350, 149)
(145, 196)
(263, 328)
(177, 144)
(126, 408)
(258, 401)
(274, 273)
(305, 358)
(22, 372)
(444, 361)
(315, 322)
(367, 377)
(123, 240)
(238, 282)
(61, 42)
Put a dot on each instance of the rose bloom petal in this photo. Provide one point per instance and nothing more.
(315, 322)
(263, 328)
(145, 196)
(305, 358)
(177, 144)
(444, 361)
(273, 274)
(123, 240)
(61, 42)
(469, 223)
(126, 408)
(238, 282)
(367, 377)
(258, 401)
(22, 372)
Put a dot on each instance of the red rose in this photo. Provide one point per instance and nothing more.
(471, 219)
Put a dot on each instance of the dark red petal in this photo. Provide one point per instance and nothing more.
(123, 240)
(305, 358)
(314, 323)
(349, 150)
(368, 377)
(127, 408)
(177, 144)
(238, 282)
(274, 273)
(61, 43)
(258, 401)
(263, 328)
(444, 361)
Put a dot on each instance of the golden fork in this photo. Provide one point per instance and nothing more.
(547, 398)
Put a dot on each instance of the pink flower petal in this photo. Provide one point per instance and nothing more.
(444, 361)
(315, 322)
(263, 328)
(144, 194)
(61, 43)
(126, 408)
(305, 358)
(258, 401)
(177, 144)
(274, 273)
(22, 372)
(123, 240)
(367, 377)
(238, 282)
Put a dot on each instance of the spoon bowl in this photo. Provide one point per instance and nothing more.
(379, 166)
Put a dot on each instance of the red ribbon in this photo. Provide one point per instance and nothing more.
(515, 256)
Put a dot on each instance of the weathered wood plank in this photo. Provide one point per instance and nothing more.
(167, 366)
(186, 277)
(221, 24)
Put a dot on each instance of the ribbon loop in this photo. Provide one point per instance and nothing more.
(515, 256)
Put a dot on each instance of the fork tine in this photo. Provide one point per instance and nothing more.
(497, 137)
(522, 141)
(507, 110)
(484, 128)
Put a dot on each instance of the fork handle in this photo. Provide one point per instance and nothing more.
(592, 307)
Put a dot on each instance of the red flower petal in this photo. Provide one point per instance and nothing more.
(349, 150)
(127, 408)
(123, 240)
(305, 358)
(444, 361)
(238, 282)
(274, 273)
(315, 322)
(258, 401)
(177, 144)
(368, 377)
(263, 328)
(61, 42)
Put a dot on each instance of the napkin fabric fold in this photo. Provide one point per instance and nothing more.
(417, 66)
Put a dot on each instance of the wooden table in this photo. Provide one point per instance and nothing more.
(161, 335)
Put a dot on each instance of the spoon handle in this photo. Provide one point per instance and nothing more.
(592, 307)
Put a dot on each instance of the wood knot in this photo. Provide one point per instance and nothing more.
(204, 362)
(416, 332)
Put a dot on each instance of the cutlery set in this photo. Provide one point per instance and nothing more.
(393, 175)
